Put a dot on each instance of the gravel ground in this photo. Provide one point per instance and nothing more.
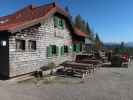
(106, 84)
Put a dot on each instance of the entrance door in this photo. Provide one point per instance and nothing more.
(4, 54)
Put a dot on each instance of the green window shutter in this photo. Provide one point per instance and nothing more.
(62, 24)
(77, 48)
(57, 50)
(73, 48)
(56, 21)
(81, 47)
(62, 50)
(49, 51)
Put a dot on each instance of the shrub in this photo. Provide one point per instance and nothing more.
(51, 66)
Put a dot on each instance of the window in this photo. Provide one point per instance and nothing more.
(74, 47)
(65, 49)
(77, 48)
(61, 23)
(52, 50)
(20, 44)
(32, 45)
(58, 22)
(81, 46)
(3, 43)
(55, 21)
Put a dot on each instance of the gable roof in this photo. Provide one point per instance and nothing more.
(30, 16)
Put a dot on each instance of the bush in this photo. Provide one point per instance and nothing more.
(51, 66)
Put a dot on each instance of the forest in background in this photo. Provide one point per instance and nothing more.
(83, 25)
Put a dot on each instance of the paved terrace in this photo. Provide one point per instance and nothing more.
(107, 84)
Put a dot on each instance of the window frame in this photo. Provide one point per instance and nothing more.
(74, 48)
(56, 21)
(32, 47)
(66, 49)
(21, 46)
(59, 22)
(52, 51)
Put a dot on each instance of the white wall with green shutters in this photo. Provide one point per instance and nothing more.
(62, 29)
(60, 51)
(50, 31)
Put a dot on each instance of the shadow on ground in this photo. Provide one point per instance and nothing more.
(115, 66)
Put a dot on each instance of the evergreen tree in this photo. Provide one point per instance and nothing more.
(122, 45)
(97, 38)
(88, 29)
(122, 48)
(78, 21)
(68, 11)
(83, 26)
(98, 42)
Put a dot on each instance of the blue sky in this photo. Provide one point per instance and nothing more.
(111, 19)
